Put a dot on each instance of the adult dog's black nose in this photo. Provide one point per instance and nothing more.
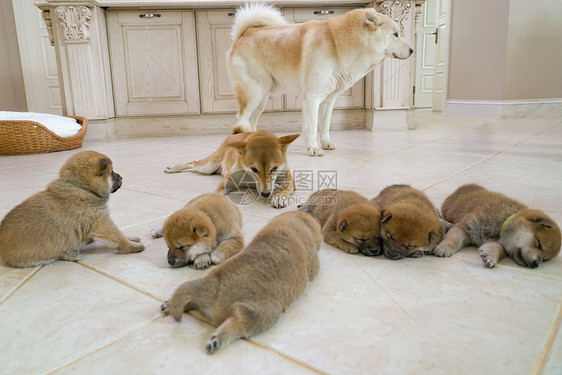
(411, 51)
(265, 194)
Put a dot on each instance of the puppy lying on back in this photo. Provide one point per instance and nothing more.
(207, 230)
(410, 224)
(247, 294)
(500, 226)
(349, 222)
(72, 212)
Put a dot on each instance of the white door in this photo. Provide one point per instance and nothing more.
(425, 55)
(38, 60)
(441, 56)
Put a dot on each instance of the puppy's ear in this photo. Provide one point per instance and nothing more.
(432, 237)
(103, 164)
(239, 146)
(287, 140)
(342, 225)
(201, 231)
(385, 217)
(541, 221)
(372, 20)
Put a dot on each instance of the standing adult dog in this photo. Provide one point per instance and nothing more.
(316, 60)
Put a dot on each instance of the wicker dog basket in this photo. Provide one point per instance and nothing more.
(29, 137)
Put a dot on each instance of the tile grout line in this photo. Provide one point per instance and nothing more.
(196, 317)
(539, 367)
(84, 355)
(20, 285)
(490, 157)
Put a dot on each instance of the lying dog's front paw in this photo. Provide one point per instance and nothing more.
(314, 151)
(217, 257)
(279, 201)
(328, 145)
(134, 238)
(164, 308)
(416, 254)
(213, 344)
(488, 259)
(442, 250)
(202, 261)
(156, 233)
(172, 169)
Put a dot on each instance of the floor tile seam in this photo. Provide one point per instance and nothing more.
(118, 280)
(285, 356)
(144, 222)
(409, 147)
(543, 358)
(488, 158)
(103, 346)
(20, 285)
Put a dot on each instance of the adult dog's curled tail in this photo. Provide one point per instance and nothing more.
(255, 15)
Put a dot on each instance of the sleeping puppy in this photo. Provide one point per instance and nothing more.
(349, 222)
(410, 225)
(500, 225)
(247, 294)
(72, 212)
(206, 231)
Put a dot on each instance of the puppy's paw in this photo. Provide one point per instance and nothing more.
(442, 250)
(173, 169)
(164, 308)
(488, 259)
(157, 232)
(202, 261)
(314, 151)
(135, 247)
(213, 344)
(71, 256)
(416, 254)
(279, 201)
(350, 249)
(134, 238)
(328, 145)
(217, 257)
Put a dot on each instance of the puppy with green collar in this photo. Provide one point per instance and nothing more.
(500, 226)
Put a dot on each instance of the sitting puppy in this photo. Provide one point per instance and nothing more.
(246, 294)
(54, 224)
(500, 226)
(349, 222)
(206, 231)
(410, 225)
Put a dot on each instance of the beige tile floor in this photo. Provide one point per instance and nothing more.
(360, 315)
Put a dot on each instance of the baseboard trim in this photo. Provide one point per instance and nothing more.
(505, 108)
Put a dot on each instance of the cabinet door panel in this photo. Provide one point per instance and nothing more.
(350, 98)
(154, 62)
(213, 30)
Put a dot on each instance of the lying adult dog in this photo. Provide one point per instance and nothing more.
(500, 225)
(260, 155)
(248, 293)
(55, 223)
(316, 60)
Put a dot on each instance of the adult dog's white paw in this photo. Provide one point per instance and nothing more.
(328, 145)
(172, 169)
(314, 151)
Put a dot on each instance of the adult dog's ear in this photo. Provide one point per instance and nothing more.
(239, 146)
(287, 140)
(372, 20)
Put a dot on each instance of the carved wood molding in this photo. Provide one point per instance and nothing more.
(75, 21)
(49, 23)
(399, 11)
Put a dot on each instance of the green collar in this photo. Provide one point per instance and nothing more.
(506, 222)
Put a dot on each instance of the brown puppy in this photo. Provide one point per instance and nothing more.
(411, 225)
(55, 223)
(500, 226)
(349, 222)
(246, 294)
(261, 155)
(206, 231)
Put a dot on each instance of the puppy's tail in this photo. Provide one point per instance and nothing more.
(255, 15)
